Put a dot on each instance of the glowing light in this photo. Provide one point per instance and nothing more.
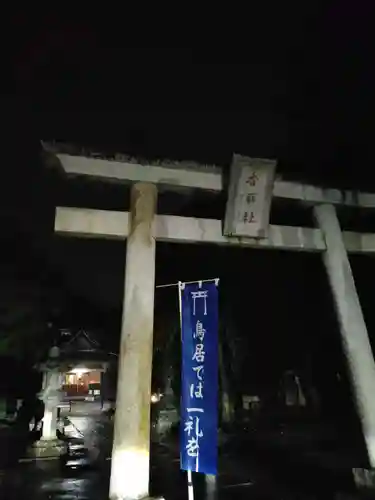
(79, 371)
(129, 474)
(155, 398)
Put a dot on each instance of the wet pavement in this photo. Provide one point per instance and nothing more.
(247, 470)
(83, 474)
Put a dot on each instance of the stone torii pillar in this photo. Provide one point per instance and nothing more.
(353, 329)
(131, 446)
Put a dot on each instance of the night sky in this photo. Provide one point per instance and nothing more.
(298, 88)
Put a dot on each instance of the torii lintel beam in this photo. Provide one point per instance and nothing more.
(196, 176)
(108, 224)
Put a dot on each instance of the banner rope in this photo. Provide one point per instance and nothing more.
(182, 283)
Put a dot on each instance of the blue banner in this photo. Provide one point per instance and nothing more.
(199, 395)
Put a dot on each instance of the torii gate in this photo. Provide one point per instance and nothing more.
(141, 226)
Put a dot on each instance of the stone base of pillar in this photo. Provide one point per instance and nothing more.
(364, 479)
(47, 449)
(153, 498)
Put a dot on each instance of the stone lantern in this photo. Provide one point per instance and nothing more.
(49, 445)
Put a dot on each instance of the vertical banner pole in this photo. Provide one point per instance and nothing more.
(198, 304)
(190, 485)
(181, 286)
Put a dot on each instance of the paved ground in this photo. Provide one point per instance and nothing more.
(246, 471)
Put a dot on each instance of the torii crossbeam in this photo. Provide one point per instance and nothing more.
(142, 226)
